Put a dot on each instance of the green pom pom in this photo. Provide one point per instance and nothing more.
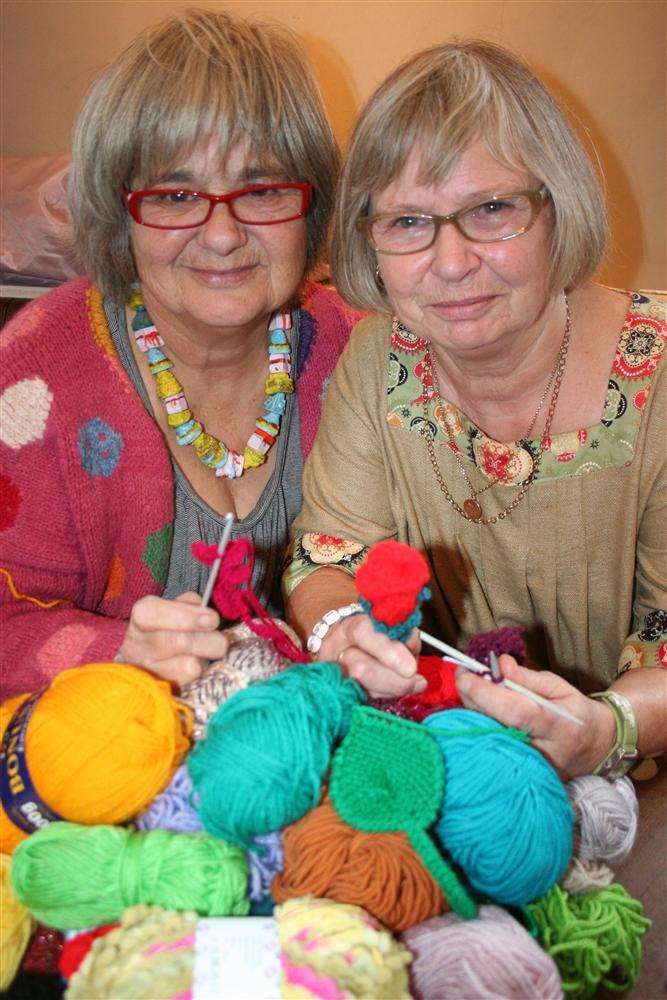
(595, 939)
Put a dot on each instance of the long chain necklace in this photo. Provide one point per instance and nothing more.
(472, 509)
(210, 450)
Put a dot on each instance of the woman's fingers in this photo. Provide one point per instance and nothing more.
(177, 670)
(185, 613)
(379, 680)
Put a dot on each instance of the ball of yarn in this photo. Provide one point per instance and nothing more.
(326, 950)
(79, 876)
(334, 950)
(172, 810)
(500, 640)
(489, 958)
(586, 876)
(606, 814)
(595, 939)
(249, 659)
(267, 749)
(379, 871)
(16, 926)
(150, 956)
(102, 741)
(505, 818)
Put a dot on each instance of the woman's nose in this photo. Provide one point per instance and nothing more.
(222, 232)
(454, 256)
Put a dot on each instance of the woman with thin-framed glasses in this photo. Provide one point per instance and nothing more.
(502, 413)
(183, 378)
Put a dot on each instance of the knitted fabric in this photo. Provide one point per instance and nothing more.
(388, 774)
(89, 476)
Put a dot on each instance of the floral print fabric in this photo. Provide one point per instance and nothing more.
(609, 443)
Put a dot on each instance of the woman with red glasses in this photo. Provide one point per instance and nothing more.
(183, 379)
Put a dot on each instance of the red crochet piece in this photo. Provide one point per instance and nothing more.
(235, 599)
(75, 950)
(440, 693)
(391, 579)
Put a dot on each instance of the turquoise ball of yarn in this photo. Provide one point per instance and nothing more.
(267, 749)
(506, 819)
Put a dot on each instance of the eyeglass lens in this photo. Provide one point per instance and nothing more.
(182, 208)
(493, 220)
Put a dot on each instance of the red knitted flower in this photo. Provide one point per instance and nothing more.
(391, 580)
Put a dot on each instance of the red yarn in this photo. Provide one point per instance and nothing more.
(75, 950)
(391, 579)
(440, 693)
(41, 958)
(235, 599)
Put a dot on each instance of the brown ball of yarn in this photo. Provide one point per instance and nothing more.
(379, 871)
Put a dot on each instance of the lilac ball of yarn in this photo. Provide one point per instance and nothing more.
(172, 809)
(500, 640)
(489, 958)
(606, 815)
(265, 859)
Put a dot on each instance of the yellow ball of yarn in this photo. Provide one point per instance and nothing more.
(103, 740)
(16, 926)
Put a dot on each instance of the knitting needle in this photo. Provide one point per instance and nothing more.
(479, 668)
(496, 675)
(215, 568)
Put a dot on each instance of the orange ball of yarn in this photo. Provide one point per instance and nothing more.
(103, 740)
(378, 871)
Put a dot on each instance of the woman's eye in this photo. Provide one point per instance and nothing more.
(493, 208)
(176, 197)
(409, 222)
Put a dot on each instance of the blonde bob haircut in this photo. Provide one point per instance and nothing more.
(441, 101)
(200, 75)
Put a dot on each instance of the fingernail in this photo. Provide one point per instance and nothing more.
(207, 620)
(420, 685)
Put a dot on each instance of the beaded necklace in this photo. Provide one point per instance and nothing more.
(212, 452)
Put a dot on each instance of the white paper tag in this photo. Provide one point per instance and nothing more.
(236, 958)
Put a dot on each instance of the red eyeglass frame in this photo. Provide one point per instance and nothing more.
(132, 201)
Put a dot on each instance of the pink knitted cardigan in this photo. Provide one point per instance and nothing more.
(86, 479)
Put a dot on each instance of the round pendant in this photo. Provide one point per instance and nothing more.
(472, 509)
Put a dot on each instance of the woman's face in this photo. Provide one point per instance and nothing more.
(223, 273)
(468, 298)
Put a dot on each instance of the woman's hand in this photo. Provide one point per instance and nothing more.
(572, 749)
(173, 639)
(385, 667)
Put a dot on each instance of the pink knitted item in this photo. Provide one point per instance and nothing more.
(235, 599)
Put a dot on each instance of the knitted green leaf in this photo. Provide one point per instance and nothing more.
(388, 774)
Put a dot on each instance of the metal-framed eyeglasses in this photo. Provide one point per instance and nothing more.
(255, 205)
(499, 218)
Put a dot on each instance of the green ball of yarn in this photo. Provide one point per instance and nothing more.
(595, 939)
(71, 876)
(267, 749)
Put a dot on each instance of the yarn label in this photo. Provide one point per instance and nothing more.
(19, 796)
(236, 957)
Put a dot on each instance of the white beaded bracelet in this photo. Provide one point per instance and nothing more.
(321, 627)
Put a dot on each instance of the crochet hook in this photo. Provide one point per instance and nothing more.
(215, 568)
(479, 668)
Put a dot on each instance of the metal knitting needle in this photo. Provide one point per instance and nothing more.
(478, 668)
(215, 568)
(496, 675)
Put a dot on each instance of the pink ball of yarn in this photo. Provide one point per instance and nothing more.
(489, 958)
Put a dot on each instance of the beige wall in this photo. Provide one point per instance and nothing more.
(604, 58)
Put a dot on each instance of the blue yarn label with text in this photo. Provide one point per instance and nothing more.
(19, 796)
(236, 958)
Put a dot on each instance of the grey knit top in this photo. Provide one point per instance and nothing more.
(267, 525)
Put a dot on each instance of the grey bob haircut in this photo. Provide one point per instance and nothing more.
(441, 100)
(200, 75)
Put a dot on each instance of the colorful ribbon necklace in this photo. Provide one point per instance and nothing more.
(212, 452)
